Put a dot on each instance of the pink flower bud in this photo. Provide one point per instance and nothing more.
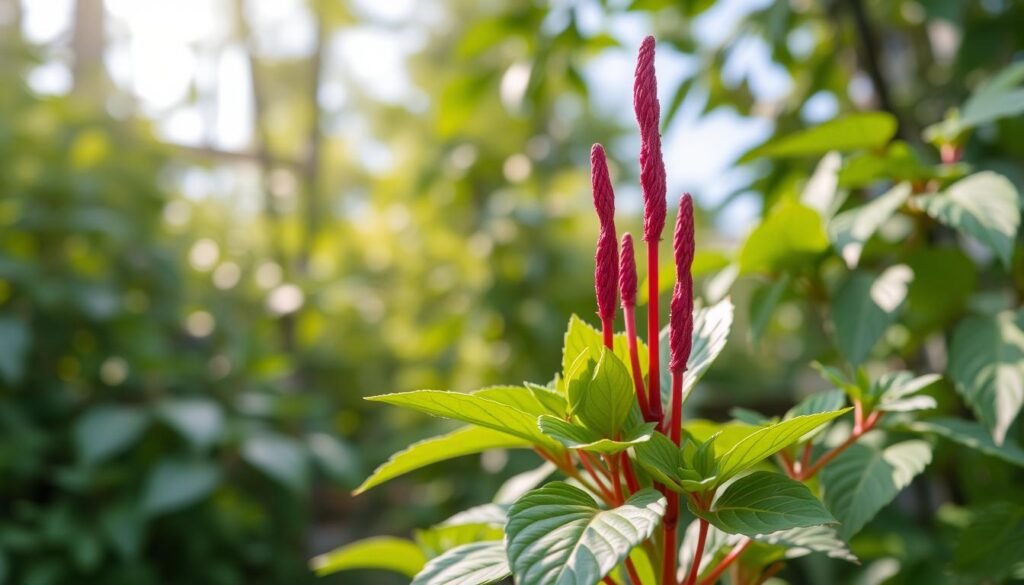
(681, 308)
(648, 117)
(627, 272)
(601, 184)
(606, 257)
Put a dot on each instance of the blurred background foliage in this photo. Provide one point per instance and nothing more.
(222, 223)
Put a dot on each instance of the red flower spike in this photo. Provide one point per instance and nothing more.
(648, 117)
(627, 272)
(681, 309)
(606, 269)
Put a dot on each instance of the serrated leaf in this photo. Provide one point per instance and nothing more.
(764, 502)
(991, 544)
(608, 398)
(386, 553)
(175, 484)
(472, 409)
(851, 132)
(865, 306)
(465, 441)
(711, 327)
(279, 457)
(985, 206)
(864, 478)
(106, 430)
(894, 392)
(969, 434)
(581, 336)
(850, 230)
(478, 563)
(199, 420)
(789, 237)
(558, 535)
(986, 364)
(757, 444)
(577, 437)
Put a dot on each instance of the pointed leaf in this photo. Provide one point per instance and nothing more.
(765, 502)
(387, 553)
(609, 397)
(558, 535)
(894, 392)
(969, 434)
(850, 230)
(864, 478)
(577, 437)
(851, 132)
(581, 336)
(865, 306)
(759, 444)
(986, 364)
(472, 409)
(826, 401)
(464, 441)
(478, 563)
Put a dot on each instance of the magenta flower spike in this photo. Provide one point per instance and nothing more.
(606, 269)
(627, 292)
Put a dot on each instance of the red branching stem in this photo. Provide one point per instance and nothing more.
(770, 572)
(669, 552)
(613, 466)
(608, 332)
(702, 537)
(603, 489)
(627, 470)
(634, 576)
(627, 293)
(809, 472)
(724, 564)
(653, 369)
(628, 314)
(608, 581)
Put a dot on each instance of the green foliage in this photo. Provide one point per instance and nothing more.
(865, 306)
(764, 502)
(558, 534)
(478, 563)
(851, 132)
(789, 236)
(392, 554)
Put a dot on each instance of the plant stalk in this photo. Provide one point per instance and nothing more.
(702, 537)
(729, 559)
(629, 315)
(653, 378)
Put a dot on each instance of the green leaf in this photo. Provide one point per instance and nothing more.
(765, 502)
(104, 431)
(518, 397)
(826, 401)
(581, 336)
(986, 364)
(850, 230)
(660, 457)
(760, 443)
(985, 206)
(464, 441)
(711, 327)
(851, 132)
(899, 162)
(577, 437)
(175, 484)
(608, 398)
(865, 306)
(477, 563)
(865, 477)
(15, 339)
(279, 457)
(199, 420)
(787, 239)
(472, 409)
(387, 553)
(991, 544)
(810, 539)
(894, 392)
(558, 535)
(998, 98)
(969, 434)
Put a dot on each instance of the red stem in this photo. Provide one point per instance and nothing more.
(653, 379)
(608, 495)
(671, 521)
(676, 423)
(608, 331)
(628, 313)
(613, 465)
(608, 581)
(770, 572)
(722, 565)
(633, 575)
(627, 468)
(702, 536)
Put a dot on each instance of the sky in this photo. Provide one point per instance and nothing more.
(158, 48)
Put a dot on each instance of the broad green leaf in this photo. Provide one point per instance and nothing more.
(199, 420)
(852, 132)
(787, 239)
(803, 541)
(998, 98)
(472, 409)
(517, 485)
(761, 443)
(899, 162)
(518, 397)
(581, 336)
(552, 400)
(387, 553)
(991, 544)
(465, 441)
(106, 430)
(864, 478)
(763, 303)
(986, 364)
(826, 401)
(660, 457)
(175, 484)
(764, 502)
(558, 535)
(865, 306)
(850, 230)
(577, 437)
(478, 563)
(711, 327)
(279, 457)
(15, 339)
(609, 397)
(985, 206)
(442, 538)
(969, 434)
(894, 392)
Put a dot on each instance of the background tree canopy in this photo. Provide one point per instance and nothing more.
(223, 223)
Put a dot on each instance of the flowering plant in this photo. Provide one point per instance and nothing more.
(758, 491)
